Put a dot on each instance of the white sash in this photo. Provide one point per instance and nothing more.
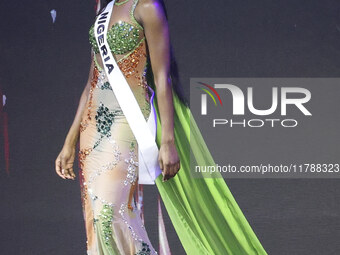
(144, 132)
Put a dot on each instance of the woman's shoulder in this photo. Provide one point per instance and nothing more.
(147, 7)
(148, 4)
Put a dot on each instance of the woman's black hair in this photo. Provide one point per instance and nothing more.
(175, 80)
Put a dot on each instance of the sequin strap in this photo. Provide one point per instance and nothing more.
(96, 62)
(132, 16)
(144, 131)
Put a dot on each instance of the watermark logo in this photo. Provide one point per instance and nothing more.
(204, 97)
(264, 127)
(280, 98)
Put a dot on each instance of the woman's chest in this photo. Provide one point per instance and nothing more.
(122, 37)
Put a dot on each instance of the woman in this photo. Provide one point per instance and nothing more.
(206, 217)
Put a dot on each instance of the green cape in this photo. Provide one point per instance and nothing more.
(204, 213)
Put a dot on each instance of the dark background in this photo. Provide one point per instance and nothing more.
(44, 68)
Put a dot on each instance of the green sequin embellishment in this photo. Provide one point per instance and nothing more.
(145, 249)
(122, 38)
(92, 40)
(106, 216)
(105, 118)
(106, 85)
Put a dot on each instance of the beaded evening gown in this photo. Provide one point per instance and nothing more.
(203, 211)
(108, 149)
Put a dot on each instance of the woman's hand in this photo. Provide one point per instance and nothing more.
(168, 160)
(64, 162)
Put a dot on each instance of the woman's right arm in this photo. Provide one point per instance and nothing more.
(65, 159)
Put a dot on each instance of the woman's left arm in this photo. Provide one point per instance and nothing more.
(152, 17)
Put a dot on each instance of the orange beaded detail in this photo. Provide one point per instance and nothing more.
(82, 154)
(128, 65)
(83, 190)
(94, 80)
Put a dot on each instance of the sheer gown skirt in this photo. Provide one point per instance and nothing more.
(108, 158)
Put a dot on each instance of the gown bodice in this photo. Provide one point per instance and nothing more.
(125, 34)
(122, 37)
(128, 45)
